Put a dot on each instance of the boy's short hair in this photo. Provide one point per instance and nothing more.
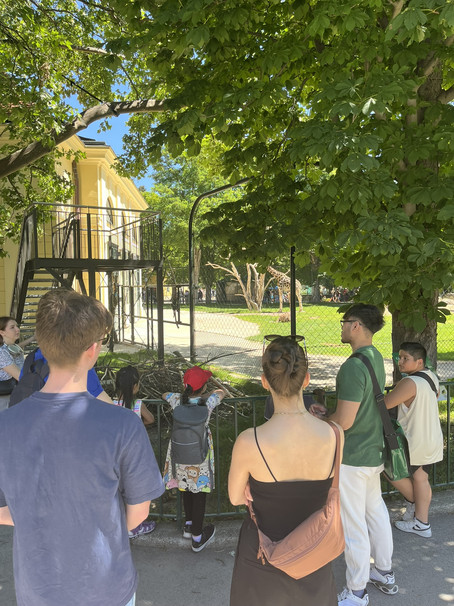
(67, 323)
(369, 315)
(416, 350)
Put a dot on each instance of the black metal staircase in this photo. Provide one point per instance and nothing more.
(79, 247)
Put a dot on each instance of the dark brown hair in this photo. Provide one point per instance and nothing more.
(3, 322)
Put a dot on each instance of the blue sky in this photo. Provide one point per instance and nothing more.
(113, 137)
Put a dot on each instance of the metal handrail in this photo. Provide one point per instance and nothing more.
(27, 250)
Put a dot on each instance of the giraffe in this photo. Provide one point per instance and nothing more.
(283, 285)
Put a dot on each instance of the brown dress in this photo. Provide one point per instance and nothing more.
(279, 508)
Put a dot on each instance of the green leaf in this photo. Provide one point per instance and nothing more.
(446, 213)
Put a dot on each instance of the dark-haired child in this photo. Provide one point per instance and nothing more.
(127, 386)
(417, 401)
(195, 481)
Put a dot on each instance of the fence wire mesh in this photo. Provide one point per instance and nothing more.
(230, 335)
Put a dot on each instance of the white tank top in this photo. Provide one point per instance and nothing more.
(421, 423)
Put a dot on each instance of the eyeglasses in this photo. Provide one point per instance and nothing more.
(296, 338)
(342, 322)
(105, 339)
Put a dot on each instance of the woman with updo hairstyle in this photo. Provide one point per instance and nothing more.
(285, 467)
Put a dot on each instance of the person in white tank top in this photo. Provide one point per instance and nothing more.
(416, 396)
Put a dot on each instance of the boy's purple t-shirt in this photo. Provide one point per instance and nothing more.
(68, 463)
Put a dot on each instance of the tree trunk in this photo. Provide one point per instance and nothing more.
(208, 293)
(315, 264)
(259, 286)
(427, 337)
(316, 298)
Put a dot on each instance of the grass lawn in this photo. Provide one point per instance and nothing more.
(320, 326)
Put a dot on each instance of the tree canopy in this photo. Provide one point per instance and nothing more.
(340, 112)
(177, 185)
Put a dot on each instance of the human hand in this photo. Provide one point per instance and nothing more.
(318, 410)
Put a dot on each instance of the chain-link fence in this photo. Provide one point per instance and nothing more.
(230, 322)
(238, 308)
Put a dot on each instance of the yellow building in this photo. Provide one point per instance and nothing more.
(99, 242)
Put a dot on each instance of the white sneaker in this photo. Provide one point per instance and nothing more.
(409, 511)
(385, 582)
(347, 598)
(416, 527)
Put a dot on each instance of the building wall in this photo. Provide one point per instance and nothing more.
(7, 277)
(98, 183)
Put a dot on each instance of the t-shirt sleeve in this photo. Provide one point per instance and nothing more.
(351, 381)
(213, 401)
(140, 477)
(93, 383)
(5, 358)
(173, 399)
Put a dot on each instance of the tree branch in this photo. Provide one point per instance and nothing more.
(93, 50)
(446, 96)
(397, 8)
(36, 150)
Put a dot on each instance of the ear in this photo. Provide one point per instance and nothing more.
(265, 383)
(92, 353)
(307, 378)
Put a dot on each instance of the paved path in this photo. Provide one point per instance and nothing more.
(216, 336)
(170, 574)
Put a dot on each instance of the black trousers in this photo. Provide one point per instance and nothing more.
(194, 509)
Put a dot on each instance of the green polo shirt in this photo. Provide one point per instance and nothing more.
(364, 440)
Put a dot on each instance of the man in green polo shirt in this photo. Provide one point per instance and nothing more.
(365, 517)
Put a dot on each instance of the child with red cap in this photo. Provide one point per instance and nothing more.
(195, 481)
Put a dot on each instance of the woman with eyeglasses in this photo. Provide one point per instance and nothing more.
(285, 467)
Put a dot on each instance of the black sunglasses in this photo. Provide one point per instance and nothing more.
(103, 341)
(296, 338)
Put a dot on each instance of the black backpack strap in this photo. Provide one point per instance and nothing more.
(425, 376)
(390, 434)
(28, 362)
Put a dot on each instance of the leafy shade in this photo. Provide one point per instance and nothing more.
(340, 112)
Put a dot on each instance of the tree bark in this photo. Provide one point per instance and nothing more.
(251, 302)
(427, 337)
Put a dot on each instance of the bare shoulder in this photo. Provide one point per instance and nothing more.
(341, 432)
(246, 437)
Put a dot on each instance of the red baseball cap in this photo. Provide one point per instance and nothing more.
(196, 377)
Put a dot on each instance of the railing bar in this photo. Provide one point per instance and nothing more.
(253, 401)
